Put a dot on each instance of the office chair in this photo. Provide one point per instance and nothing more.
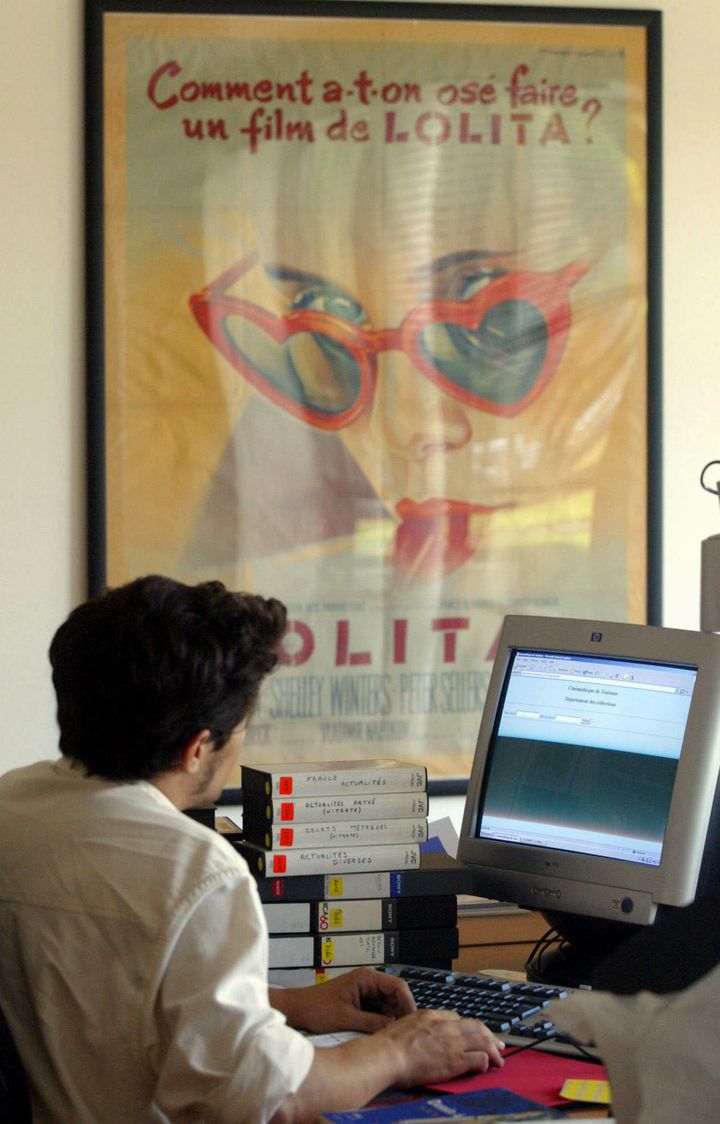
(14, 1096)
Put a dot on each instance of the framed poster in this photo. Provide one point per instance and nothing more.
(373, 300)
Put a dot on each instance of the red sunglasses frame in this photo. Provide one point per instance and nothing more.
(547, 291)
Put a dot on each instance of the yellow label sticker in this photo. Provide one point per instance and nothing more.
(327, 950)
(592, 1092)
(336, 918)
(335, 888)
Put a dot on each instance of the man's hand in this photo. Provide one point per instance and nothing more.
(424, 1047)
(439, 1045)
(363, 1000)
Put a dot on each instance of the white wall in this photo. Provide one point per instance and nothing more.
(41, 298)
(41, 358)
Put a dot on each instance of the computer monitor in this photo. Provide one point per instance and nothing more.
(593, 795)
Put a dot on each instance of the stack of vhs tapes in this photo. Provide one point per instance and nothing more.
(335, 849)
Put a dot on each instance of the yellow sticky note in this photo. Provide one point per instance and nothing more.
(336, 918)
(335, 888)
(592, 1092)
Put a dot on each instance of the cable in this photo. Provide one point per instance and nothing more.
(550, 1038)
(549, 938)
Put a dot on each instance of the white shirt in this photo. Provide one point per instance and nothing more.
(133, 959)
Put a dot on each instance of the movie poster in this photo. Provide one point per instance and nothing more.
(375, 344)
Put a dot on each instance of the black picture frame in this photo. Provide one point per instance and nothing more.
(101, 306)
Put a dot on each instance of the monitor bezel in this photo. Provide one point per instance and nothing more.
(547, 879)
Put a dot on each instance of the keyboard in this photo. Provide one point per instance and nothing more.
(512, 1009)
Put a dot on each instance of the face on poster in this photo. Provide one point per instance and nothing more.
(375, 345)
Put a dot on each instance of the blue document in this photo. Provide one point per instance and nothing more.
(490, 1103)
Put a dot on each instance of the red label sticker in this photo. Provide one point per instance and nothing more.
(285, 786)
(279, 864)
(286, 836)
(287, 811)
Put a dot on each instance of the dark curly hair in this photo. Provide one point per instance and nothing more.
(141, 669)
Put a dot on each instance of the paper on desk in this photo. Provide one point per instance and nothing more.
(334, 1037)
(660, 1051)
(442, 830)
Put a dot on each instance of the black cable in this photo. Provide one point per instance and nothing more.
(550, 937)
(550, 1037)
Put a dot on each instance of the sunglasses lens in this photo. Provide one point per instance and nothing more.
(309, 368)
(500, 360)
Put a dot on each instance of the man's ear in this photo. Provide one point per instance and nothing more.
(193, 756)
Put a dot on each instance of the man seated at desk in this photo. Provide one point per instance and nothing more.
(133, 950)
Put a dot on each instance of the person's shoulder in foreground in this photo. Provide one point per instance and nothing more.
(134, 951)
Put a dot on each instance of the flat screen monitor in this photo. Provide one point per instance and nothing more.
(593, 795)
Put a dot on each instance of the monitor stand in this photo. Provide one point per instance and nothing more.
(682, 946)
(584, 943)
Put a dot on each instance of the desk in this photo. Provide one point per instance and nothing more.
(492, 935)
(498, 939)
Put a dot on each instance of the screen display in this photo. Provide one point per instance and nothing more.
(584, 754)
